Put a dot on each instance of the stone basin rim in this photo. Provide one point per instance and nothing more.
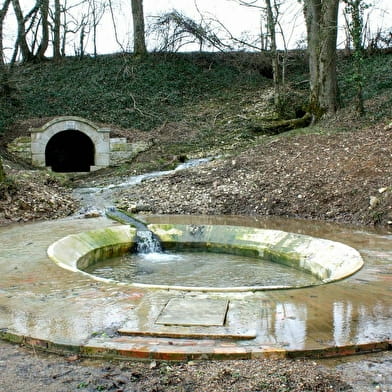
(328, 260)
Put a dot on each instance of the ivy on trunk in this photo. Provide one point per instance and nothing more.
(139, 43)
(321, 21)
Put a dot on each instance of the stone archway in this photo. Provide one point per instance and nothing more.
(69, 151)
(68, 144)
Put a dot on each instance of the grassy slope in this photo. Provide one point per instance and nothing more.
(128, 92)
(215, 94)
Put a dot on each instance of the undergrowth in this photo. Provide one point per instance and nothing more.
(128, 92)
(378, 82)
(215, 93)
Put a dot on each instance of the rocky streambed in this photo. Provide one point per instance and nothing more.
(343, 177)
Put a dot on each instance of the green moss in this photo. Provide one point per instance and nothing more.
(167, 232)
(20, 144)
(10, 337)
(103, 253)
(100, 237)
(211, 247)
(282, 257)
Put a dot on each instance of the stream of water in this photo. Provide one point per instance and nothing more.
(102, 197)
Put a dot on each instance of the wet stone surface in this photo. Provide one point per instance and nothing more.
(72, 311)
(194, 311)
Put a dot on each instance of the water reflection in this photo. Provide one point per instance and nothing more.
(342, 320)
(291, 324)
(39, 299)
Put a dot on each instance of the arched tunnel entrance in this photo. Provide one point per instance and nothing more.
(70, 151)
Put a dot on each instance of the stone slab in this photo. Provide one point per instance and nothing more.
(194, 311)
(189, 333)
(241, 322)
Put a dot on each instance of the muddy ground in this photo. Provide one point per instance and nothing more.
(25, 370)
(341, 177)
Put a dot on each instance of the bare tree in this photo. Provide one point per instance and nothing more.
(5, 87)
(21, 42)
(271, 26)
(43, 46)
(3, 13)
(139, 40)
(79, 24)
(321, 21)
(97, 10)
(270, 10)
(51, 22)
(65, 26)
(82, 35)
(354, 21)
(116, 36)
(32, 22)
(56, 30)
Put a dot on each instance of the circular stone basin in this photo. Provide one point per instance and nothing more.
(324, 260)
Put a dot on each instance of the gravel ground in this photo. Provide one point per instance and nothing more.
(22, 370)
(344, 177)
(34, 195)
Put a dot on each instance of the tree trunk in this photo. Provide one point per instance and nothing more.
(44, 8)
(355, 9)
(56, 30)
(64, 36)
(321, 21)
(5, 87)
(81, 40)
(271, 25)
(95, 23)
(3, 13)
(280, 126)
(2, 173)
(139, 43)
(27, 55)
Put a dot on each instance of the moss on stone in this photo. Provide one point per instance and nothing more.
(321, 258)
(282, 257)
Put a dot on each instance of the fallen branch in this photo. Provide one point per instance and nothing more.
(280, 126)
(139, 110)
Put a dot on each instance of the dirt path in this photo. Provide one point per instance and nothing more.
(24, 370)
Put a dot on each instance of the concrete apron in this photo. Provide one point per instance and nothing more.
(58, 310)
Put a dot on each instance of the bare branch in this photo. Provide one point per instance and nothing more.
(115, 27)
(174, 27)
(235, 39)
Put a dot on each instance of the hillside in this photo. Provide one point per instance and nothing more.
(209, 104)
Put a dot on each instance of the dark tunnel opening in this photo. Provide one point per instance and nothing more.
(70, 151)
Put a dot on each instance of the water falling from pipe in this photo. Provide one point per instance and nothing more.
(146, 242)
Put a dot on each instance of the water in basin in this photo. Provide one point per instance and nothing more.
(199, 269)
